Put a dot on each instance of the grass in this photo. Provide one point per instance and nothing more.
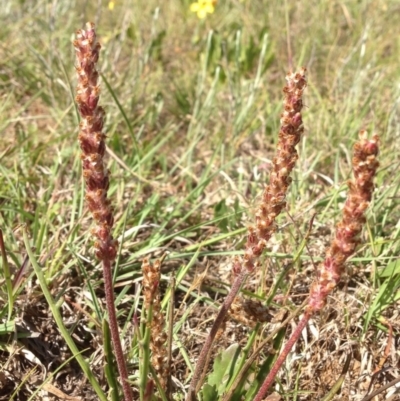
(193, 113)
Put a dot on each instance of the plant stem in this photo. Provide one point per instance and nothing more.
(96, 175)
(242, 374)
(282, 357)
(201, 362)
(272, 203)
(112, 315)
(347, 237)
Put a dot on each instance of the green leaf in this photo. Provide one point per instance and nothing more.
(391, 269)
(266, 366)
(209, 393)
(7, 327)
(224, 367)
(221, 210)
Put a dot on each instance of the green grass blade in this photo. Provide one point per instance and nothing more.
(57, 317)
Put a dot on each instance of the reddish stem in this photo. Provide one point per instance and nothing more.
(119, 354)
(281, 358)
(96, 175)
(200, 365)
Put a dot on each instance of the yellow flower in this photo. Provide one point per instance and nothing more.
(203, 7)
(111, 5)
